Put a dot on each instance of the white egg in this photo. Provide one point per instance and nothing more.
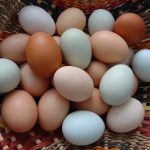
(141, 64)
(116, 86)
(9, 75)
(126, 117)
(100, 19)
(35, 19)
(76, 48)
(83, 127)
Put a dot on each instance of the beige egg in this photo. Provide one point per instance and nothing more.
(19, 111)
(53, 108)
(70, 18)
(73, 83)
(57, 39)
(32, 83)
(109, 47)
(13, 47)
(96, 70)
(94, 104)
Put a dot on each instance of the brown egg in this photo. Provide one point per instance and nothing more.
(53, 108)
(32, 83)
(131, 27)
(43, 54)
(135, 86)
(13, 47)
(19, 111)
(70, 18)
(109, 47)
(57, 39)
(96, 70)
(94, 103)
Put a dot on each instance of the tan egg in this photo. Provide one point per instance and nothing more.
(94, 104)
(70, 18)
(19, 111)
(53, 108)
(109, 47)
(96, 70)
(57, 39)
(13, 47)
(32, 83)
(135, 86)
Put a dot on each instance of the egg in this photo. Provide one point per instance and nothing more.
(9, 75)
(73, 83)
(19, 111)
(57, 39)
(131, 27)
(32, 83)
(117, 85)
(94, 104)
(70, 18)
(53, 108)
(13, 47)
(141, 64)
(83, 127)
(43, 54)
(96, 70)
(35, 19)
(126, 117)
(116, 51)
(135, 85)
(100, 19)
(76, 48)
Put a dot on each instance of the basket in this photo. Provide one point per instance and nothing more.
(36, 139)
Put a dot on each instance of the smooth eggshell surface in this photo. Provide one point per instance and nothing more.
(96, 70)
(94, 104)
(32, 83)
(83, 127)
(52, 110)
(19, 111)
(13, 47)
(73, 83)
(131, 27)
(35, 19)
(43, 54)
(109, 47)
(76, 48)
(70, 18)
(141, 64)
(126, 117)
(117, 85)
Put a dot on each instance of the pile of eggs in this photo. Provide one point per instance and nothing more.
(42, 74)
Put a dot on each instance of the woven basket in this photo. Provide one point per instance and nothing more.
(138, 139)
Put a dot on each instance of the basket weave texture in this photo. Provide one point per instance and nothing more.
(39, 139)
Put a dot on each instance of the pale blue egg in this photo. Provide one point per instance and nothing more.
(83, 127)
(141, 64)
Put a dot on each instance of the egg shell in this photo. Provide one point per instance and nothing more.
(53, 108)
(96, 70)
(117, 85)
(136, 83)
(70, 18)
(100, 19)
(35, 19)
(32, 83)
(9, 75)
(73, 83)
(83, 127)
(76, 48)
(141, 64)
(94, 104)
(19, 111)
(13, 47)
(43, 54)
(131, 27)
(57, 39)
(126, 117)
(109, 47)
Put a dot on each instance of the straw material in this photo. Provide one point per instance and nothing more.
(39, 139)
